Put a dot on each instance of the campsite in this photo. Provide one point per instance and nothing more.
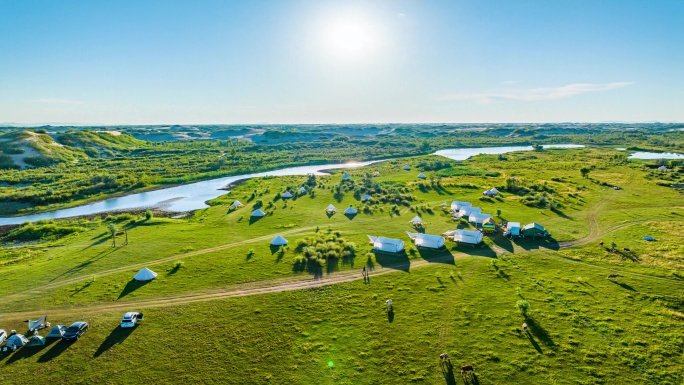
(286, 282)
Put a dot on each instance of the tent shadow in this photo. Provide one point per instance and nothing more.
(350, 216)
(253, 220)
(503, 243)
(538, 243)
(441, 255)
(132, 286)
(274, 248)
(117, 336)
(329, 214)
(55, 351)
(25, 352)
(397, 261)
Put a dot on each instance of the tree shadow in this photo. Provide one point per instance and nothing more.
(538, 331)
(624, 285)
(397, 261)
(174, 269)
(563, 215)
(55, 351)
(390, 315)
(441, 255)
(132, 286)
(332, 265)
(338, 197)
(313, 268)
(534, 343)
(448, 372)
(117, 336)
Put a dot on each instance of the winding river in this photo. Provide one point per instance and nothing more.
(194, 196)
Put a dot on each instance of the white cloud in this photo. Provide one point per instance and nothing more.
(56, 101)
(534, 94)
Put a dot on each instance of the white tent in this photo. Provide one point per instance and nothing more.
(427, 240)
(346, 176)
(465, 236)
(478, 218)
(279, 241)
(365, 198)
(406, 167)
(387, 244)
(416, 220)
(287, 194)
(456, 206)
(469, 210)
(350, 211)
(513, 229)
(145, 274)
(443, 204)
(330, 208)
(302, 190)
(491, 193)
(377, 173)
(236, 204)
(421, 176)
(258, 213)
(494, 190)
(662, 168)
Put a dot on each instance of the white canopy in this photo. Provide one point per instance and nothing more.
(350, 211)
(287, 194)
(236, 204)
(427, 240)
(302, 190)
(258, 213)
(389, 245)
(421, 176)
(330, 208)
(279, 241)
(469, 210)
(513, 228)
(145, 274)
(406, 167)
(416, 220)
(466, 236)
(365, 197)
(478, 218)
(456, 206)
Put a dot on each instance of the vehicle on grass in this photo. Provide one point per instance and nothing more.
(130, 319)
(75, 331)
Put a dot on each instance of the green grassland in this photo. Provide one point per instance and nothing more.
(228, 308)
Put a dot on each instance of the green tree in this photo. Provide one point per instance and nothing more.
(523, 307)
(585, 172)
(112, 231)
(498, 213)
(148, 214)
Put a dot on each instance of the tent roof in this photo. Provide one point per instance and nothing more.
(406, 167)
(416, 219)
(534, 225)
(350, 210)
(489, 220)
(365, 197)
(511, 225)
(237, 204)
(427, 237)
(258, 213)
(422, 176)
(145, 274)
(57, 331)
(302, 190)
(36, 340)
(17, 340)
(346, 176)
(278, 241)
(331, 208)
(287, 194)
(386, 241)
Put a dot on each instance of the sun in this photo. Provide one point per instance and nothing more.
(349, 37)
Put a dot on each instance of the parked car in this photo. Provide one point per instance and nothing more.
(3, 336)
(130, 319)
(75, 331)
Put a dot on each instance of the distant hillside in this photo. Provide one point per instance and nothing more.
(22, 149)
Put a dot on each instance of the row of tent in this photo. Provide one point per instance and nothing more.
(391, 245)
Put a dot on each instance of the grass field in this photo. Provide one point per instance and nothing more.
(228, 308)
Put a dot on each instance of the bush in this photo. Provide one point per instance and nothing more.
(523, 307)
(148, 214)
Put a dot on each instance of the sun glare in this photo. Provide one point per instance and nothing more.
(351, 37)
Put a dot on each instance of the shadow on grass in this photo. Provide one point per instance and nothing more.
(332, 265)
(448, 372)
(538, 243)
(311, 267)
(442, 255)
(174, 269)
(538, 331)
(534, 343)
(390, 315)
(132, 286)
(329, 214)
(274, 248)
(25, 352)
(397, 261)
(117, 336)
(350, 216)
(503, 242)
(624, 285)
(253, 220)
(55, 351)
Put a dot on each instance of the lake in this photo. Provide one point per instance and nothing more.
(655, 155)
(193, 196)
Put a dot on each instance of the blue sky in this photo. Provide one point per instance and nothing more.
(234, 62)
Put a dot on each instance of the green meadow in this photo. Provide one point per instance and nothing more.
(226, 307)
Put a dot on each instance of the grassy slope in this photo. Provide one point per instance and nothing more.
(294, 334)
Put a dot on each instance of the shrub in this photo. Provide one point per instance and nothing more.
(523, 307)
(148, 214)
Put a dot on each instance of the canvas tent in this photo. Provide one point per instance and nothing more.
(416, 220)
(236, 204)
(302, 190)
(145, 274)
(406, 167)
(427, 240)
(330, 208)
(365, 198)
(478, 218)
(258, 213)
(16, 341)
(421, 176)
(488, 225)
(36, 340)
(287, 195)
(534, 230)
(468, 211)
(457, 206)
(57, 331)
(513, 229)
(279, 241)
(350, 211)
(490, 193)
(465, 236)
(388, 245)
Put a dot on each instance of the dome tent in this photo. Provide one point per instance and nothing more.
(236, 204)
(258, 213)
(350, 211)
(287, 195)
(279, 241)
(330, 208)
(421, 176)
(145, 274)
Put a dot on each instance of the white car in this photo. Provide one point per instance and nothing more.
(130, 319)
